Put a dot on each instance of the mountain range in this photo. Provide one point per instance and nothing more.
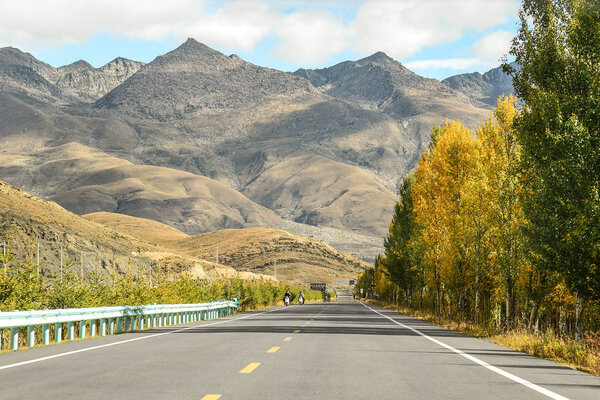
(201, 141)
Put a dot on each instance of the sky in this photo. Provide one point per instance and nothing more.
(434, 38)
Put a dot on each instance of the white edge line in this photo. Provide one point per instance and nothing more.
(35, 360)
(476, 360)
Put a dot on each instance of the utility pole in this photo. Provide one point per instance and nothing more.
(61, 263)
(216, 260)
(275, 269)
(38, 258)
(81, 267)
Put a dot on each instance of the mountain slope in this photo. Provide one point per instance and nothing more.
(299, 259)
(482, 87)
(21, 73)
(99, 182)
(329, 153)
(109, 243)
(380, 82)
(195, 78)
(317, 191)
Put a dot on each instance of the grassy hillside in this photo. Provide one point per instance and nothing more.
(27, 221)
(300, 260)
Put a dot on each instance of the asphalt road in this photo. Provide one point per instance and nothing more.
(314, 351)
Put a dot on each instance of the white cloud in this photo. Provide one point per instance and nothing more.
(238, 25)
(307, 33)
(306, 37)
(492, 47)
(449, 63)
(43, 24)
(403, 28)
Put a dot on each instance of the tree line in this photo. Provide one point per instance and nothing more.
(501, 226)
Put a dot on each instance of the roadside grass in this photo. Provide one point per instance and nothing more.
(582, 355)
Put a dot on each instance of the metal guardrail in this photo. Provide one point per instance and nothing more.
(110, 320)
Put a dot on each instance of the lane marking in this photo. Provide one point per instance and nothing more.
(287, 339)
(297, 331)
(308, 323)
(249, 368)
(476, 360)
(211, 397)
(273, 349)
(35, 360)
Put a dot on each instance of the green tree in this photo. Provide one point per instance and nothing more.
(558, 51)
(401, 259)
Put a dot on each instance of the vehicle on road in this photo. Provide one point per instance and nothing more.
(301, 298)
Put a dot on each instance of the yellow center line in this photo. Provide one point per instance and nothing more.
(211, 397)
(249, 368)
(297, 331)
(272, 349)
(308, 323)
(287, 339)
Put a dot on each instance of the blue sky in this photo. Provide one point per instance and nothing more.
(435, 38)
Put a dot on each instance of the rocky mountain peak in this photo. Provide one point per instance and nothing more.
(14, 56)
(79, 65)
(377, 58)
(485, 87)
(192, 50)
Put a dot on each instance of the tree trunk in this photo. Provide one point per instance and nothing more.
(510, 303)
(534, 315)
(476, 319)
(579, 317)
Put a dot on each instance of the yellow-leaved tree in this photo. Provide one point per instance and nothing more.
(443, 179)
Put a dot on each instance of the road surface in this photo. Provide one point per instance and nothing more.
(314, 351)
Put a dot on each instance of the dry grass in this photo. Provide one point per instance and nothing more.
(129, 244)
(251, 250)
(33, 220)
(581, 355)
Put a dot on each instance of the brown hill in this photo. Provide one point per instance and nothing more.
(317, 191)
(99, 182)
(299, 259)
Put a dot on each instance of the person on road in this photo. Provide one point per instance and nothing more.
(287, 297)
(301, 298)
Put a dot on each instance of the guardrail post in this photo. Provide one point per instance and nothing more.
(119, 324)
(125, 324)
(103, 327)
(93, 327)
(111, 326)
(46, 334)
(134, 323)
(71, 331)
(142, 322)
(14, 338)
(30, 336)
(58, 332)
(82, 329)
